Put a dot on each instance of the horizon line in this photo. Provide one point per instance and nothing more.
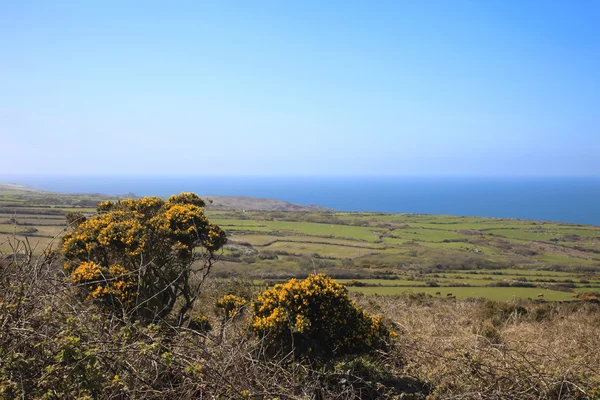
(312, 176)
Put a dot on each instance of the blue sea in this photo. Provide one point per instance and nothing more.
(575, 200)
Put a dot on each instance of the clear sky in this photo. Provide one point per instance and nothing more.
(300, 87)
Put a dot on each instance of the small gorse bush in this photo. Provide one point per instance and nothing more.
(315, 319)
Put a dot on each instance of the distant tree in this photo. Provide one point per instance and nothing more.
(140, 257)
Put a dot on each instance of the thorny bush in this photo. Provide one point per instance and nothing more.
(315, 319)
(138, 257)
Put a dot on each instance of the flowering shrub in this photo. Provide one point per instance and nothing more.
(230, 306)
(137, 255)
(105, 283)
(314, 318)
(200, 323)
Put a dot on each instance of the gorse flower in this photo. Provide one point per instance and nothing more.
(230, 305)
(86, 272)
(103, 283)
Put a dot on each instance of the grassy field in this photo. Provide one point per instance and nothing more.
(385, 253)
(374, 253)
(498, 294)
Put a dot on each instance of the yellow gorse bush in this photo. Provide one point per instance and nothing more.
(314, 317)
(138, 253)
(230, 305)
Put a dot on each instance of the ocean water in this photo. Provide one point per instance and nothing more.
(574, 200)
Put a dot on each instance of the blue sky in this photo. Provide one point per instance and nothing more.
(501, 88)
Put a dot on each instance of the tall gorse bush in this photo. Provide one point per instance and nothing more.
(140, 257)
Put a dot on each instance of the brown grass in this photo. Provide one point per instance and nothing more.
(524, 350)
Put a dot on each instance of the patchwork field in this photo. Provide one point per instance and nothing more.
(374, 253)
(371, 252)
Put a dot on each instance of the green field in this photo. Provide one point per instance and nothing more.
(386, 253)
(323, 230)
(499, 294)
(323, 250)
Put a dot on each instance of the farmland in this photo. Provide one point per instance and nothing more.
(374, 253)
(377, 253)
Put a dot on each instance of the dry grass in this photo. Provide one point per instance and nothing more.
(486, 350)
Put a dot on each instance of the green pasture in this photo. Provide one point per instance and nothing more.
(360, 216)
(449, 245)
(498, 294)
(583, 232)
(457, 281)
(473, 225)
(508, 277)
(562, 259)
(467, 281)
(255, 239)
(262, 240)
(540, 235)
(247, 228)
(474, 248)
(520, 272)
(225, 223)
(324, 230)
(397, 241)
(429, 235)
(463, 276)
(384, 282)
(326, 250)
(585, 290)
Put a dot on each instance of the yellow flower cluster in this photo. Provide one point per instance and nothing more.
(230, 305)
(186, 198)
(119, 229)
(101, 282)
(200, 323)
(86, 272)
(315, 314)
(122, 230)
(183, 217)
(215, 238)
(148, 206)
(105, 206)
